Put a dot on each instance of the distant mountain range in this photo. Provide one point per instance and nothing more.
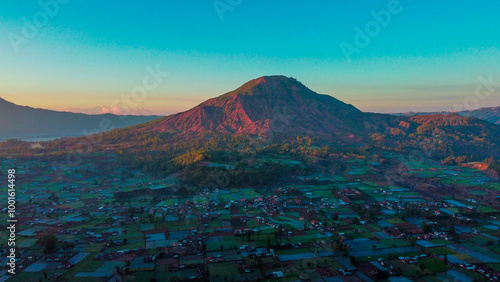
(23, 122)
(489, 114)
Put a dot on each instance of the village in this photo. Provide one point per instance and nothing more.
(339, 229)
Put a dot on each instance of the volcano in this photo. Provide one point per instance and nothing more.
(269, 105)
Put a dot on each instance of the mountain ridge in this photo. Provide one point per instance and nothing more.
(490, 114)
(18, 121)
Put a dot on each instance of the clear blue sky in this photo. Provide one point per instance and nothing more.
(429, 56)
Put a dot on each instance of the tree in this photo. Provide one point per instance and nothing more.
(413, 240)
(49, 242)
(322, 213)
(53, 197)
(425, 227)
(354, 261)
(131, 211)
(183, 192)
(65, 245)
(422, 266)
(109, 220)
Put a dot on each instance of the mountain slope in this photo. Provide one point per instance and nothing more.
(26, 122)
(443, 135)
(488, 114)
(269, 105)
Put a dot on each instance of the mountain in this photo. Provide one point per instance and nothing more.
(488, 114)
(447, 135)
(25, 122)
(270, 105)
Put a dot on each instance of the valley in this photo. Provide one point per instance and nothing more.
(354, 224)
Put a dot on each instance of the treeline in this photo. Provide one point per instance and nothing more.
(242, 175)
(494, 165)
(451, 144)
(125, 195)
(175, 155)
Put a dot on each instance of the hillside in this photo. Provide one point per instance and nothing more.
(491, 114)
(26, 122)
(445, 135)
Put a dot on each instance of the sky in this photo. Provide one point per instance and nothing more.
(381, 56)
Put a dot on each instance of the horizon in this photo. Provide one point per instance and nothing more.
(103, 110)
(386, 57)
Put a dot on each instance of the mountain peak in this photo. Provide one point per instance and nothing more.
(274, 86)
(272, 78)
(257, 105)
